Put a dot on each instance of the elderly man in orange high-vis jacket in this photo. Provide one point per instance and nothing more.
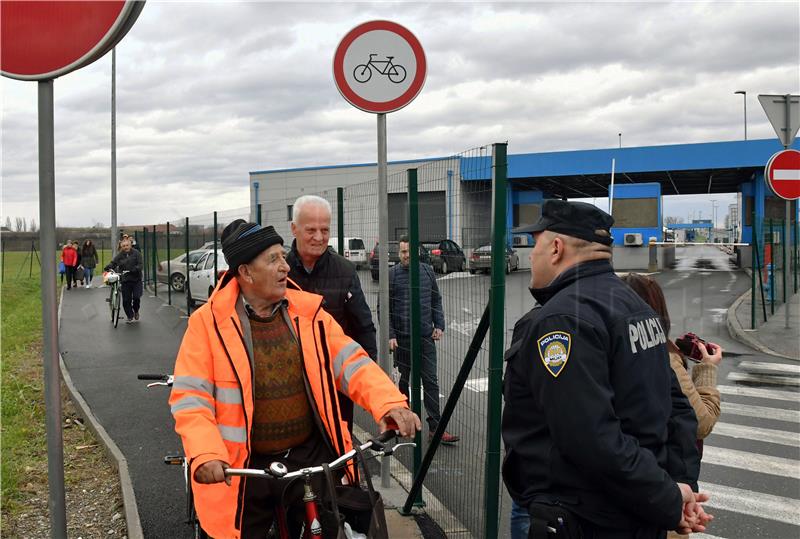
(256, 381)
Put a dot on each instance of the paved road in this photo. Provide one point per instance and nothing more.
(751, 463)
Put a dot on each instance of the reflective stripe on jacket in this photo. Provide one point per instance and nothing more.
(212, 396)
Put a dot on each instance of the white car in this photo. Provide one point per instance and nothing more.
(201, 276)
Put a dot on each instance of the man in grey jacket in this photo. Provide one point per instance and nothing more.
(432, 327)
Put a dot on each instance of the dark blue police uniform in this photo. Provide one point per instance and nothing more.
(594, 419)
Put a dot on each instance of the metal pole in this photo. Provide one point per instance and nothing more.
(611, 189)
(169, 273)
(114, 232)
(497, 294)
(756, 271)
(340, 219)
(258, 217)
(215, 250)
(771, 267)
(383, 267)
(415, 320)
(186, 280)
(155, 262)
(786, 233)
(52, 383)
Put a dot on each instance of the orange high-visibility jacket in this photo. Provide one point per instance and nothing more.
(212, 395)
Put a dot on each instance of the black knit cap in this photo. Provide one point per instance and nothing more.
(243, 241)
(576, 219)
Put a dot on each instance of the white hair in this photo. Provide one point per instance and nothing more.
(308, 200)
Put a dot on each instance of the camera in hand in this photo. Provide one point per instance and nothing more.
(688, 346)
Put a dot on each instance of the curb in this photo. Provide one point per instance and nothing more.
(736, 330)
(132, 521)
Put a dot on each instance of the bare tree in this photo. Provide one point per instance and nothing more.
(8, 222)
(672, 220)
(19, 224)
(32, 226)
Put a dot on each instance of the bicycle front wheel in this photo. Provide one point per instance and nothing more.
(397, 74)
(115, 306)
(362, 73)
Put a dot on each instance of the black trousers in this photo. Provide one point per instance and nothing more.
(261, 496)
(70, 273)
(131, 295)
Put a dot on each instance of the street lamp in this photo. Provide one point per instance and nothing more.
(620, 139)
(744, 96)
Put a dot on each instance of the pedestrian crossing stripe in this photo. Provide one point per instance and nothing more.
(766, 379)
(774, 394)
(754, 504)
(761, 412)
(758, 434)
(754, 462)
(758, 366)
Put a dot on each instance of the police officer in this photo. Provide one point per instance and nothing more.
(598, 437)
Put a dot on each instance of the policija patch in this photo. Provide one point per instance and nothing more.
(554, 351)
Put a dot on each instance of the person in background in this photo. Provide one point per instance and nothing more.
(130, 260)
(701, 387)
(69, 256)
(317, 269)
(79, 267)
(431, 327)
(89, 261)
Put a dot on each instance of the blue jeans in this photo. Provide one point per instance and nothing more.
(88, 273)
(430, 378)
(520, 521)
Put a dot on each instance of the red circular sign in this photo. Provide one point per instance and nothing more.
(783, 174)
(42, 40)
(379, 66)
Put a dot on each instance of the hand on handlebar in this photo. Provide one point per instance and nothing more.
(212, 471)
(401, 419)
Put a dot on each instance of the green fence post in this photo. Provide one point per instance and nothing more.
(3, 262)
(258, 215)
(215, 249)
(169, 274)
(340, 217)
(753, 247)
(186, 280)
(497, 293)
(143, 252)
(796, 244)
(155, 258)
(416, 318)
(771, 275)
(102, 253)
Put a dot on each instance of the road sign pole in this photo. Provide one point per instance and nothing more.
(52, 383)
(383, 264)
(786, 234)
(114, 233)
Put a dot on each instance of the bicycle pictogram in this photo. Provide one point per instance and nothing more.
(395, 72)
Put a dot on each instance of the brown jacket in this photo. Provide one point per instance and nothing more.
(700, 389)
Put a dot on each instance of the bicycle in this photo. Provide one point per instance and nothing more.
(395, 72)
(112, 278)
(178, 459)
(312, 526)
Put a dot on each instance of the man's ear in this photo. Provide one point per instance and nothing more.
(244, 272)
(557, 247)
(294, 229)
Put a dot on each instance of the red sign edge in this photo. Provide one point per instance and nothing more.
(768, 176)
(375, 106)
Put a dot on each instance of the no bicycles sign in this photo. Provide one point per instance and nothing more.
(379, 66)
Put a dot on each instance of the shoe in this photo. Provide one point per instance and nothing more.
(129, 321)
(136, 315)
(447, 438)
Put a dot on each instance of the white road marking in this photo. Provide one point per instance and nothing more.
(792, 439)
(769, 379)
(478, 385)
(754, 462)
(792, 396)
(761, 412)
(758, 366)
(754, 504)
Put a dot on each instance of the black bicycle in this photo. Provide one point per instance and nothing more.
(395, 72)
(112, 278)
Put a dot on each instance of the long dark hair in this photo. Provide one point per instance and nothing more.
(650, 291)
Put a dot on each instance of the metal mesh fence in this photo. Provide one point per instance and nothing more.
(772, 260)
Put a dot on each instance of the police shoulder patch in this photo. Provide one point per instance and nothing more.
(554, 350)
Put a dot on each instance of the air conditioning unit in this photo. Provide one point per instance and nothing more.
(633, 238)
(522, 240)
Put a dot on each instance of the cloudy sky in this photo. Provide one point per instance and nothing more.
(208, 91)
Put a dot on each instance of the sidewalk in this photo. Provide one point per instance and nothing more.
(100, 365)
(770, 337)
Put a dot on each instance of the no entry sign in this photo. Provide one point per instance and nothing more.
(379, 66)
(43, 40)
(783, 174)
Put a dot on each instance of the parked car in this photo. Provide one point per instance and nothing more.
(201, 277)
(446, 256)
(394, 257)
(354, 250)
(177, 268)
(481, 260)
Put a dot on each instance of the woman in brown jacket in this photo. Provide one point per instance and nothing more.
(701, 387)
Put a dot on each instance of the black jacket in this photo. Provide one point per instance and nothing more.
(430, 299)
(594, 418)
(131, 262)
(335, 278)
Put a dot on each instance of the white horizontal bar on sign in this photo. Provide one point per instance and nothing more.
(775, 394)
(753, 462)
(761, 412)
(770, 379)
(786, 174)
(754, 504)
(758, 434)
(759, 366)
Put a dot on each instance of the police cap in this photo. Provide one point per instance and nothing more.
(576, 219)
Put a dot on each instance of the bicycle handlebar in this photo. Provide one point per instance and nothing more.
(278, 470)
(163, 377)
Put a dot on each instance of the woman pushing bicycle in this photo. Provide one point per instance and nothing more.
(256, 380)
